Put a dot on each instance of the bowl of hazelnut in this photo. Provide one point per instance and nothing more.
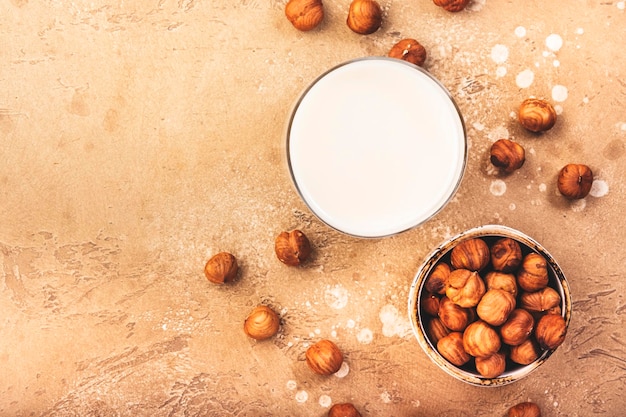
(490, 305)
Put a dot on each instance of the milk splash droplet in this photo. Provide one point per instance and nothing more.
(525, 78)
(520, 31)
(325, 401)
(599, 188)
(559, 93)
(365, 336)
(393, 323)
(343, 371)
(554, 42)
(302, 396)
(497, 187)
(499, 54)
(336, 297)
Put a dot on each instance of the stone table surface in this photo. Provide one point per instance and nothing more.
(139, 138)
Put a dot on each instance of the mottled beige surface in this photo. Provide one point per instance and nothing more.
(140, 137)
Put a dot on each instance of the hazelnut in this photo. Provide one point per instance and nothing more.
(262, 323)
(537, 115)
(221, 268)
(430, 304)
(304, 15)
(525, 409)
(472, 254)
(452, 5)
(495, 306)
(551, 330)
(409, 50)
(453, 316)
(507, 155)
(465, 287)
(525, 353)
(364, 16)
(491, 366)
(540, 301)
(533, 273)
(481, 340)
(436, 329)
(292, 248)
(343, 410)
(506, 255)
(324, 357)
(451, 348)
(495, 280)
(574, 181)
(438, 278)
(517, 328)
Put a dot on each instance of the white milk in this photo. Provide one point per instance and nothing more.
(375, 147)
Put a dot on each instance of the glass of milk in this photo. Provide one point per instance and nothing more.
(376, 146)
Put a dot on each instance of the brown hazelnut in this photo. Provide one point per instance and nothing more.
(481, 340)
(304, 15)
(507, 155)
(517, 328)
(364, 16)
(430, 304)
(324, 357)
(409, 50)
(438, 278)
(506, 255)
(533, 273)
(465, 287)
(551, 330)
(495, 306)
(262, 323)
(525, 409)
(537, 115)
(436, 330)
(525, 353)
(453, 316)
(495, 280)
(452, 5)
(343, 410)
(574, 181)
(221, 268)
(451, 348)
(540, 301)
(472, 254)
(491, 366)
(292, 248)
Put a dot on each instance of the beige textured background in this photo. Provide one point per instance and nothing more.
(138, 138)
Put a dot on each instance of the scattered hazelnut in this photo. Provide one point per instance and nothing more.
(221, 268)
(540, 301)
(465, 287)
(436, 330)
(575, 180)
(409, 50)
(304, 15)
(481, 340)
(495, 306)
(437, 280)
(495, 280)
(525, 409)
(430, 303)
(364, 16)
(472, 254)
(324, 357)
(292, 248)
(343, 410)
(537, 115)
(507, 155)
(506, 255)
(550, 331)
(517, 327)
(451, 348)
(453, 316)
(525, 353)
(452, 5)
(533, 273)
(491, 366)
(262, 323)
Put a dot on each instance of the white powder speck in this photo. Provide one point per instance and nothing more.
(586, 100)
(621, 5)
(325, 401)
(542, 187)
(497, 187)
(520, 31)
(525, 78)
(365, 336)
(499, 53)
(559, 93)
(302, 396)
(623, 127)
(311, 334)
(500, 132)
(580, 31)
(318, 331)
(291, 385)
(554, 42)
(558, 109)
(336, 297)
(500, 72)
(555, 404)
(416, 403)
(333, 333)
(578, 205)
(599, 188)
(546, 54)
(385, 397)
(350, 324)
(343, 371)
(556, 63)
(512, 206)
(478, 126)
(476, 5)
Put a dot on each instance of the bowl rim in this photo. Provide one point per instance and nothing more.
(488, 230)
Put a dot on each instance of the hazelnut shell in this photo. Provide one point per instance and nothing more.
(452, 5)
(550, 331)
(533, 273)
(495, 306)
(221, 268)
(364, 16)
(343, 410)
(537, 115)
(324, 357)
(453, 316)
(472, 254)
(451, 348)
(507, 155)
(292, 248)
(304, 15)
(517, 328)
(525, 409)
(491, 366)
(409, 50)
(575, 181)
(481, 340)
(261, 323)
(465, 287)
(506, 255)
